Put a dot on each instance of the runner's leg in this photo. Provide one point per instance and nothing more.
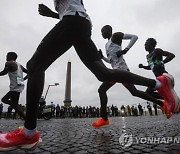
(103, 98)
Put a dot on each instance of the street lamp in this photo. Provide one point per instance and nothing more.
(55, 84)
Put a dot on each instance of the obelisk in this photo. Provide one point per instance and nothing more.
(67, 100)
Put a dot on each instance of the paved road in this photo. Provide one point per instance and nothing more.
(129, 135)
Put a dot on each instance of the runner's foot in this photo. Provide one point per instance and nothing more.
(100, 122)
(18, 139)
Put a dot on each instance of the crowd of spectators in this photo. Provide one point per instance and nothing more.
(92, 111)
(89, 111)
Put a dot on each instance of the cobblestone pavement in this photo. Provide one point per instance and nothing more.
(146, 134)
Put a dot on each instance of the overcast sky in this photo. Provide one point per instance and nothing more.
(22, 29)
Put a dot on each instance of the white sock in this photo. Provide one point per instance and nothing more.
(29, 132)
(158, 84)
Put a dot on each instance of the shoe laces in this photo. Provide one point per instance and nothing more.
(14, 133)
(101, 120)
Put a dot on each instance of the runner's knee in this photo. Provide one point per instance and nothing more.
(33, 67)
(135, 93)
(103, 76)
(29, 66)
(101, 90)
(4, 100)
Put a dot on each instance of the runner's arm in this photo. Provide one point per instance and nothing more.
(102, 56)
(169, 56)
(25, 71)
(47, 12)
(132, 38)
(106, 59)
(4, 71)
(145, 67)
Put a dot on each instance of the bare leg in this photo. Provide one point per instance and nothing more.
(103, 98)
(141, 94)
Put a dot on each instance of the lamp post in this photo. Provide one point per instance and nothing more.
(55, 84)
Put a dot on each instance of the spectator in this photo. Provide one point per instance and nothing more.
(116, 111)
(135, 111)
(113, 110)
(155, 109)
(149, 109)
(57, 111)
(70, 112)
(97, 112)
(109, 111)
(83, 112)
(123, 110)
(129, 110)
(53, 109)
(132, 109)
(42, 102)
(90, 111)
(87, 112)
(9, 112)
(1, 110)
(80, 112)
(62, 112)
(140, 109)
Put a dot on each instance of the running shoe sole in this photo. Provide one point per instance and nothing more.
(167, 93)
(25, 146)
(175, 96)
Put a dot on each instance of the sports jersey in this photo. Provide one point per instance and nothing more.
(16, 79)
(70, 7)
(155, 62)
(112, 49)
(116, 62)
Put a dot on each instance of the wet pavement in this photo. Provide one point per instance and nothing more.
(127, 135)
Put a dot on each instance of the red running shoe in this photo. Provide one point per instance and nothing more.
(176, 98)
(18, 139)
(167, 92)
(177, 106)
(166, 111)
(100, 122)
